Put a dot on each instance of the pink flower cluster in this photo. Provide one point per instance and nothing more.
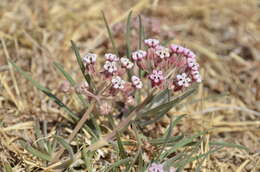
(172, 67)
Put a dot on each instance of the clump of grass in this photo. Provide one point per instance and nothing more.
(143, 87)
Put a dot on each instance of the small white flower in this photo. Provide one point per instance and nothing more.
(196, 75)
(110, 66)
(89, 58)
(151, 42)
(137, 82)
(138, 55)
(156, 76)
(183, 80)
(126, 63)
(111, 57)
(162, 52)
(118, 82)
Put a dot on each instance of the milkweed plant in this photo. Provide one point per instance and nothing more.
(122, 93)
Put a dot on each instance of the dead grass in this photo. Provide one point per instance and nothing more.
(224, 33)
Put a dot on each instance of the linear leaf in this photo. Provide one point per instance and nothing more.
(35, 152)
(70, 80)
(181, 143)
(65, 145)
(169, 104)
(225, 144)
(110, 33)
(45, 91)
(122, 152)
(82, 68)
(128, 34)
(167, 136)
(141, 29)
(41, 142)
(160, 141)
(118, 163)
(182, 164)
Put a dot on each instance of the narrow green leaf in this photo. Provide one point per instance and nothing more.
(160, 141)
(167, 136)
(65, 145)
(182, 164)
(158, 99)
(35, 152)
(45, 91)
(118, 163)
(110, 33)
(81, 65)
(128, 41)
(181, 143)
(139, 152)
(111, 121)
(121, 149)
(65, 74)
(141, 29)
(40, 140)
(168, 163)
(169, 104)
(225, 144)
(128, 34)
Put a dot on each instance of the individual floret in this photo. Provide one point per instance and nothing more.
(136, 81)
(118, 82)
(183, 80)
(126, 63)
(89, 58)
(162, 52)
(110, 67)
(152, 42)
(111, 57)
(139, 55)
(156, 77)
